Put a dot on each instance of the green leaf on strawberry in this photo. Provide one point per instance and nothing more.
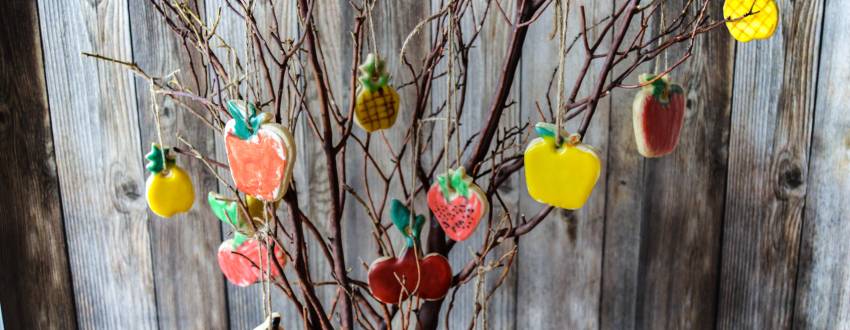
(454, 182)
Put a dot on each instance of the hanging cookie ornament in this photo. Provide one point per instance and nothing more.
(394, 279)
(657, 116)
(562, 176)
(241, 265)
(751, 19)
(169, 188)
(376, 106)
(457, 203)
(261, 153)
(228, 211)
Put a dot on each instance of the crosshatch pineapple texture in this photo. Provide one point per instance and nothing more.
(377, 110)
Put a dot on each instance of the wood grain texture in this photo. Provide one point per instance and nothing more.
(741, 227)
(189, 287)
(96, 130)
(665, 215)
(823, 282)
(36, 275)
(560, 262)
(768, 177)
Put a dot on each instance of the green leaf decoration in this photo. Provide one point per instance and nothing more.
(459, 183)
(400, 215)
(238, 239)
(155, 156)
(373, 75)
(417, 226)
(659, 87)
(545, 130)
(226, 211)
(247, 121)
(443, 181)
(453, 181)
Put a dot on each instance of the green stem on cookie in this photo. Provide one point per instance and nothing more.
(373, 75)
(158, 159)
(401, 217)
(246, 118)
(454, 181)
(659, 86)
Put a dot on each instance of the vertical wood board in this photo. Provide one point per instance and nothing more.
(823, 276)
(34, 259)
(772, 112)
(96, 132)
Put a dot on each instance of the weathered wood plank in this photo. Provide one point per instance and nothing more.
(823, 287)
(664, 216)
(560, 261)
(94, 119)
(189, 286)
(38, 293)
(767, 179)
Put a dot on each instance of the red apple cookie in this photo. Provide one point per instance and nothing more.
(241, 265)
(657, 116)
(261, 154)
(394, 279)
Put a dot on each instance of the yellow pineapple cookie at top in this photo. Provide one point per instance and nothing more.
(376, 106)
(169, 188)
(751, 19)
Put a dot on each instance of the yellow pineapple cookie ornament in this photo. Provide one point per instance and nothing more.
(376, 106)
(560, 175)
(751, 19)
(169, 188)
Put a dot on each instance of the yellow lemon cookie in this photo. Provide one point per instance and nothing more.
(169, 188)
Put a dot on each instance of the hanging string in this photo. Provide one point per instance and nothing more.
(561, 15)
(253, 69)
(268, 282)
(456, 112)
(663, 26)
(414, 159)
(661, 31)
(158, 129)
(372, 26)
(265, 265)
(449, 91)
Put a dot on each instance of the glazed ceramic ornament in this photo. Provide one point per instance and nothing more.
(657, 116)
(751, 19)
(394, 279)
(560, 175)
(169, 188)
(229, 211)
(241, 266)
(457, 203)
(261, 153)
(376, 106)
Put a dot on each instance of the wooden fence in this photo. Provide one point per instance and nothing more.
(744, 226)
